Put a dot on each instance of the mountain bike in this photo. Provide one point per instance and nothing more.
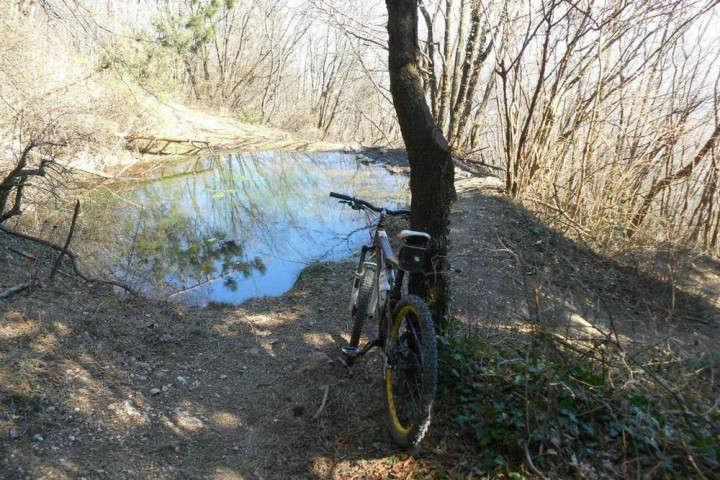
(406, 333)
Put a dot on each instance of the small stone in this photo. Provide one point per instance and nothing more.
(37, 438)
(181, 380)
(155, 391)
(321, 357)
(166, 337)
(223, 376)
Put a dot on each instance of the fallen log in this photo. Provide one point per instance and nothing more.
(13, 290)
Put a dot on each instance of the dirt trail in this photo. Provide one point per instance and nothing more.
(97, 386)
(172, 120)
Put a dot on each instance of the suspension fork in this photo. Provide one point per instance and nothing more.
(363, 253)
(353, 350)
(393, 298)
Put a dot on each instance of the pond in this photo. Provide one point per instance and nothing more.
(227, 229)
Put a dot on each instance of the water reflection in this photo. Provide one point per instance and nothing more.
(243, 226)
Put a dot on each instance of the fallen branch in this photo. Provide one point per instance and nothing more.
(532, 466)
(326, 390)
(67, 240)
(13, 290)
(71, 256)
(22, 254)
(159, 145)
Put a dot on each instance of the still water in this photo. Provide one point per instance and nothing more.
(240, 226)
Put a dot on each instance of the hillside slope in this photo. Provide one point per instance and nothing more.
(96, 385)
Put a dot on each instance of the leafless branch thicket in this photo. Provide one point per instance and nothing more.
(54, 112)
(602, 116)
(608, 120)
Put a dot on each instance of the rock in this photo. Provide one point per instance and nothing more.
(155, 391)
(37, 438)
(188, 421)
(143, 365)
(321, 357)
(126, 410)
(352, 148)
(317, 360)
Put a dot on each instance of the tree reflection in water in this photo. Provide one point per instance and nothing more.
(244, 226)
(172, 248)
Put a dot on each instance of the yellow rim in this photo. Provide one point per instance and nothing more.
(389, 374)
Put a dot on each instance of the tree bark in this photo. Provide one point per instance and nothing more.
(432, 175)
(447, 63)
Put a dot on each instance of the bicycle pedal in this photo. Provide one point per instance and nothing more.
(350, 352)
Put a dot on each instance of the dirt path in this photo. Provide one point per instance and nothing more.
(96, 386)
(172, 120)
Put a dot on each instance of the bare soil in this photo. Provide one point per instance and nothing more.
(94, 384)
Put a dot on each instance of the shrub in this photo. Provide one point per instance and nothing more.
(568, 414)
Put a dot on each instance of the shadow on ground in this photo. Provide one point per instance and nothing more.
(98, 386)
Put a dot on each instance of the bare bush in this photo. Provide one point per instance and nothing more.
(604, 117)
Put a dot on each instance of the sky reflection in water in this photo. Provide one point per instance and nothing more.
(248, 225)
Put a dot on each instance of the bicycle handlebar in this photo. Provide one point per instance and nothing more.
(360, 203)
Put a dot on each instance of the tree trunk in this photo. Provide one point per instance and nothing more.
(432, 174)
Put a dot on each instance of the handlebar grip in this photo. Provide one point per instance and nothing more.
(359, 203)
(341, 196)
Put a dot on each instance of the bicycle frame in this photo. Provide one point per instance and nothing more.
(387, 262)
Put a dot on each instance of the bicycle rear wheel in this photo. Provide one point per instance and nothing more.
(410, 371)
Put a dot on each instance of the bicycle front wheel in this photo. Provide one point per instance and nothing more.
(410, 371)
(361, 303)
